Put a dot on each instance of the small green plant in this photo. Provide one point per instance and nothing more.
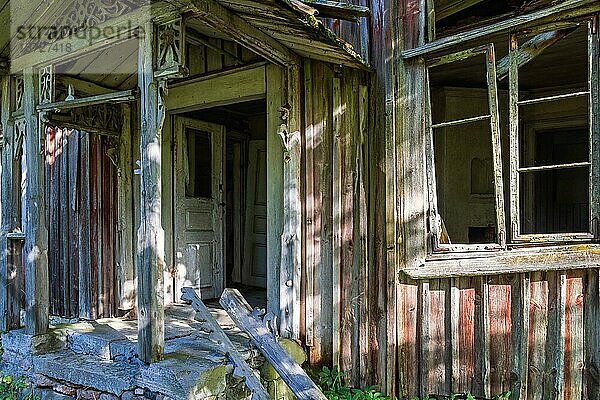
(463, 396)
(333, 384)
(15, 389)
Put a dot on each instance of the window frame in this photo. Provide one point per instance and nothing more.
(516, 130)
(433, 232)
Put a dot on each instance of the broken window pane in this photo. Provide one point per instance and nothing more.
(461, 128)
(554, 161)
(199, 163)
(459, 208)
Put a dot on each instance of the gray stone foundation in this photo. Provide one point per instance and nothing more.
(97, 360)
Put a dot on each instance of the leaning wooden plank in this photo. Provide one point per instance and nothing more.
(531, 49)
(292, 374)
(242, 368)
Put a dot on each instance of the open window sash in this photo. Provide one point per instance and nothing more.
(516, 129)
(435, 225)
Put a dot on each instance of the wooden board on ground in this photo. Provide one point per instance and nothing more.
(249, 320)
(242, 369)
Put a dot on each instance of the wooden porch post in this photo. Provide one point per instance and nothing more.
(35, 252)
(150, 251)
(5, 200)
(290, 272)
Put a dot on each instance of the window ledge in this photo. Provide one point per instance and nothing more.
(508, 262)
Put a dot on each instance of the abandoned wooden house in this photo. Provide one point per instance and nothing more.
(409, 188)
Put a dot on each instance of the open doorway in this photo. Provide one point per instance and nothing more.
(220, 197)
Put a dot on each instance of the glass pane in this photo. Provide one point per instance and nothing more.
(465, 183)
(199, 159)
(555, 201)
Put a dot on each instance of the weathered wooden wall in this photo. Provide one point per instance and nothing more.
(535, 334)
(80, 193)
(342, 315)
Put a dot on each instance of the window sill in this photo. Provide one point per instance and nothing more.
(507, 262)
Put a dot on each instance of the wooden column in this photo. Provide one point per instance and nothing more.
(5, 199)
(35, 252)
(125, 268)
(275, 197)
(291, 245)
(150, 250)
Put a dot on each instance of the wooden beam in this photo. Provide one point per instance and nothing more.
(150, 246)
(219, 89)
(36, 233)
(452, 7)
(250, 322)
(531, 49)
(82, 87)
(518, 261)
(242, 369)
(115, 97)
(565, 9)
(222, 19)
(339, 9)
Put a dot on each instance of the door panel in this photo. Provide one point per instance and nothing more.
(254, 272)
(199, 206)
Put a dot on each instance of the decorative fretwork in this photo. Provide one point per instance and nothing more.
(46, 85)
(171, 49)
(19, 92)
(19, 136)
(105, 117)
(79, 16)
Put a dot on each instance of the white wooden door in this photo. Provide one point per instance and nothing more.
(254, 271)
(199, 206)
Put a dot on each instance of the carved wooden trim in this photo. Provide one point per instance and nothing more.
(19, 92)
(18, 137)
(79, 16)
(104, 116)
(171, 49)
(46, 88)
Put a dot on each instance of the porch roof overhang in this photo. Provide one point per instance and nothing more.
(291, 23)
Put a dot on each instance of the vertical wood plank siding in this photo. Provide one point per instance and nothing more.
(533, 334)
(338, 240)
(80, 188)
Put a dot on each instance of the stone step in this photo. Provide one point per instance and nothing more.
(83, 370)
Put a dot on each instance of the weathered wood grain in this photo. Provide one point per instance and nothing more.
(290, 372)
(500, 333)
(591, 326)
(36, 233)
(574, 336)
(5, 197)
(150, 247)
(84, 230)
(95, 223)
(275, 159)
(242, 369)
(538, 322)
(73, 222)
(564, 9)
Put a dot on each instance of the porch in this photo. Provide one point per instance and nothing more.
(99, 359)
